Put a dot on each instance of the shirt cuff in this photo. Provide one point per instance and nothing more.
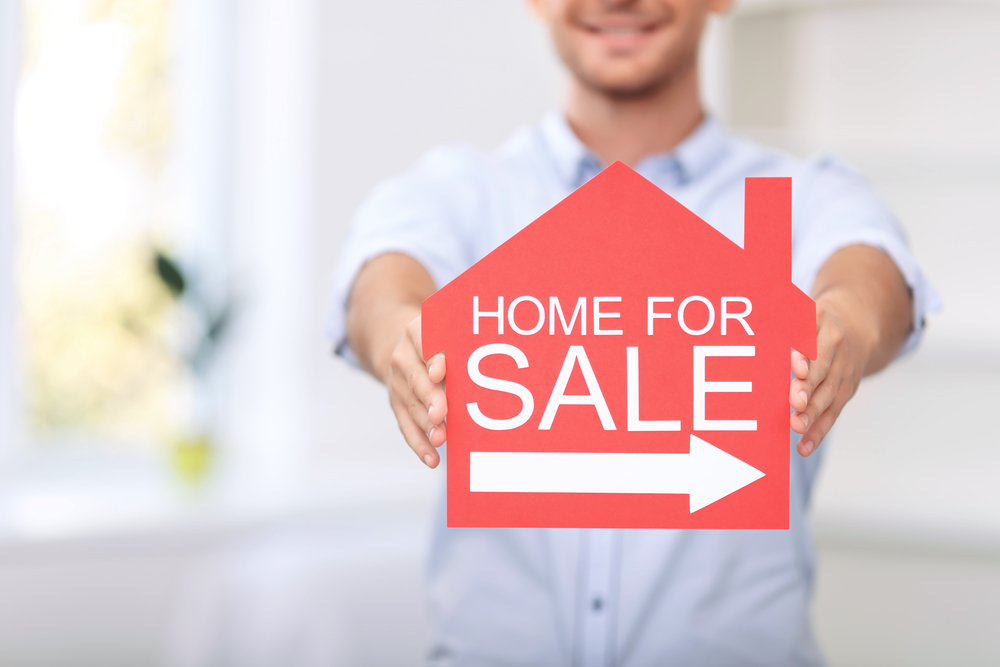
(343, 282)
(925, 299)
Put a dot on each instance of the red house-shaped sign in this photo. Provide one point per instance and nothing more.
(619, 363)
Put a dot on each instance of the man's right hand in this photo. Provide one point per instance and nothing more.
(416, 393)
(384, 302)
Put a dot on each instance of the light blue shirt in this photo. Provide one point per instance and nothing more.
(629, 598)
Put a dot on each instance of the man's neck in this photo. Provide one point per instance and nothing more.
(631, 128)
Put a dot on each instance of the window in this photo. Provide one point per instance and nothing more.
(179, 126)
(115, 337)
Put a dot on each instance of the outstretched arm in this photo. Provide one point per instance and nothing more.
(863, 315)
(383, 328)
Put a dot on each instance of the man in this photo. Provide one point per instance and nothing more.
(607, 597)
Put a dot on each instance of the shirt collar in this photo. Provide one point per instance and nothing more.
(702, 149)
(690, 160)
(572, 158)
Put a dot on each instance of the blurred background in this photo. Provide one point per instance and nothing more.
(187, 477)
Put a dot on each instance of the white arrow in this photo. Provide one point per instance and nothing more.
(706, 474)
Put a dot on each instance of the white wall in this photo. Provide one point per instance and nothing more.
(309, 590)
(906, 510)
(907, 92)
(209, 586)
(397, 79)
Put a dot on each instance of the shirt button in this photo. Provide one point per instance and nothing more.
(597, 604)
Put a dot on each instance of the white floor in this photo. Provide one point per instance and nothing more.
(906, 514)
(330, 592)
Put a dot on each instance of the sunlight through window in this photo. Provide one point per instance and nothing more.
(100, 329)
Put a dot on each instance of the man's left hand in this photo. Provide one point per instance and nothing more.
(863, 313)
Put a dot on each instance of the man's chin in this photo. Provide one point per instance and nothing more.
(623, 86)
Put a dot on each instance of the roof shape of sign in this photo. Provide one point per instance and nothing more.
(620, 219)
(644, 339)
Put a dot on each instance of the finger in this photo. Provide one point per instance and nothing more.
(413, 332)
(415, 438)
(822, 398)
(415, 408)
(436, 368)
(409, 381)
(437, 406)
(797, 396)
(821, 426)
(829, 340)
(800, 364)
(430, 393)
(438, 435)
(823, 411)
(402, 395)
(812, 439)
(407, 362)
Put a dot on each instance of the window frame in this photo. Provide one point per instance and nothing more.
(246, 109)
(10, 47)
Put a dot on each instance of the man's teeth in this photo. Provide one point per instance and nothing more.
(621, 30)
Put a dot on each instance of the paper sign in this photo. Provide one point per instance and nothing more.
(619, 363)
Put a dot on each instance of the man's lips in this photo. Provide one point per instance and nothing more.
(620, 35)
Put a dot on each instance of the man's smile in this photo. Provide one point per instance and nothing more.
(621, 33)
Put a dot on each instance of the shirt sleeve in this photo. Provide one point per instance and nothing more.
(835, 207)
(426, 213)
